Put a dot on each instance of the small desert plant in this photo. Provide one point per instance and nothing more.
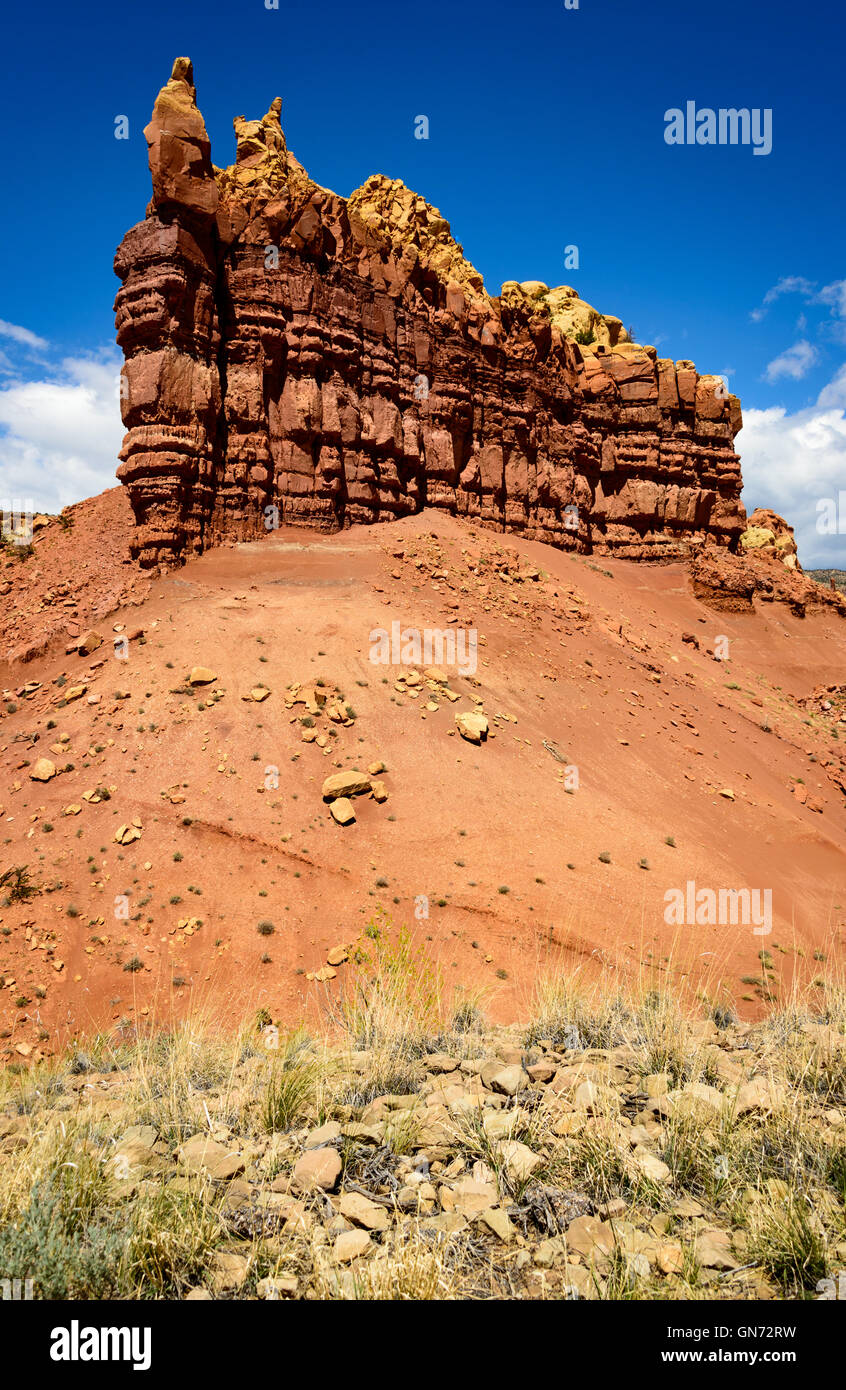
(786, 1239)
(67, 1250)
(291, 1088)
(16, 884)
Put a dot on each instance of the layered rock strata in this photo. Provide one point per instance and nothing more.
(295, 356)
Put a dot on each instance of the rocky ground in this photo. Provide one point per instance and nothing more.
(76, 570)
(480, 1063)
(609, 1149)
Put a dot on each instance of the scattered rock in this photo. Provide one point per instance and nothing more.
(342, 811)
(350, 1245)
(42, 771)
(89, 643)
(507, 1080)
(498, 1221)
(650, 1166)
(228, 1271)
(712, 1249)
(517, 1159)
(670, 1258)
(278, 1286)
(473, 727)
(590, 1238)
(468, 1196)
(362, 1212)
(201, 1154)
(760, 1094)
(317, 1168)
(345, 784)
(126, 834)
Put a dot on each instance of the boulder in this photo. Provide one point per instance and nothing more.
(89, 643)
(345, 784)
(43, 770)
(472, 726)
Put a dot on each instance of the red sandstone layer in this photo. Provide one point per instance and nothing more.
(294, 356)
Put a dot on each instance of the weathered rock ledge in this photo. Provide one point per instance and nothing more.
(293, 355)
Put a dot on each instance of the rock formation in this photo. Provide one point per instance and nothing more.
(295, 356)
(766, 565)
(769, 534)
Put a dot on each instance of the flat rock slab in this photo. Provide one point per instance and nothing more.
(201, 1154)
(345, 784)
(361, 1211)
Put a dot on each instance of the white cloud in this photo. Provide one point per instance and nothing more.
(792, 462)
(62, 433)
(795, 362)
(832, 295)
(22, 335)
(835, 392)
(788, 284)
(835, 296)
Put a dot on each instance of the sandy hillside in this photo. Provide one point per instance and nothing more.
(609, 735)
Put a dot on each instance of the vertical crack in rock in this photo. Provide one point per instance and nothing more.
(341, 360)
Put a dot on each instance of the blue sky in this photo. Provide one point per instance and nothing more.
(546, 129)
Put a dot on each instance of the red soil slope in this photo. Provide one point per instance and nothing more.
(579, 666)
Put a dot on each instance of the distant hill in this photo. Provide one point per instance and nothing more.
(823, 577)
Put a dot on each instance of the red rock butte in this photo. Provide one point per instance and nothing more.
(297, 356)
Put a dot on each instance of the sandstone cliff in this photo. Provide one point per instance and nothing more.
(295, 355)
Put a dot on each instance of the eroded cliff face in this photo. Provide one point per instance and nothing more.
(295, 355)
